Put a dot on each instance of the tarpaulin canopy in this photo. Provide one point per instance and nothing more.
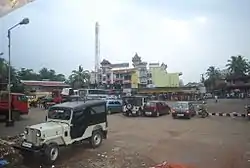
(7, 6)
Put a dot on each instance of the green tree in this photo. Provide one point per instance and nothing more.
(3, 73)
(51, 75)
(79, 78)
(248, 67)
(27, 74)
(59, 77)
(213, 74)
(45, 73)
(4, 69)
(237, 65)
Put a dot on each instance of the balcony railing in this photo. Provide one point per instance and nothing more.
(126, 81)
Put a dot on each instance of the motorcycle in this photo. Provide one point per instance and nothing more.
(203, 113)
(247, 107)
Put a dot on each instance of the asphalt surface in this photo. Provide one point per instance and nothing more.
(213, 142)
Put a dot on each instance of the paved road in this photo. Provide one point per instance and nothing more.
(35, 116)
(218, 142)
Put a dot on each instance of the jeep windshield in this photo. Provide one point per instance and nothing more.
(135, 101)
(59, 113)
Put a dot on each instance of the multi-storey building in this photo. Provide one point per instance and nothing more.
(122, 76)
(106, 73)
(116, 76)
(141, 70)
(159, 77)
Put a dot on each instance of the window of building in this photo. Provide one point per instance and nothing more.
(127, 77)
(108, 76)
(149, 75)
(103, 70)
(126, 86)
(150, 82)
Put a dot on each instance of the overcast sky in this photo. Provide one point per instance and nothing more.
(187, 35)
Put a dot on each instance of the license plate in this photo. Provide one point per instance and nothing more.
(134, 112)
(148, 113)
(180, 115)
(26, 144)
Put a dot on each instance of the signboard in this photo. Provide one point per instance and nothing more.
(120, 65)
(7, 6)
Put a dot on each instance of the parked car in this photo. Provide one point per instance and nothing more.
(114, 106)
(134, 105)
(183, 109)
(156, 108)
(67, 123)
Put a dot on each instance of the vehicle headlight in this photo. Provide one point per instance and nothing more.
(38, 134)
(26, 131)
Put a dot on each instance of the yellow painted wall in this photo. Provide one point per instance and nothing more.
(134, 80)
(160, 78)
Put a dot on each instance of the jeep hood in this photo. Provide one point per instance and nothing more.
(56, 126)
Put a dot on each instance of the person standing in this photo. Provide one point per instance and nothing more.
(216, 98)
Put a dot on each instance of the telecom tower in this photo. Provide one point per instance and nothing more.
(97, 53)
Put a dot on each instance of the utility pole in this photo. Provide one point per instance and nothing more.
(97, 53)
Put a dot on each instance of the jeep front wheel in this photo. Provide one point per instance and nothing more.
(96, 139)
(51, 153)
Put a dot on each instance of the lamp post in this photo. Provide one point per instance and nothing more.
(9, 121)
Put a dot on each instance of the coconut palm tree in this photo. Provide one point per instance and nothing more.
(79, 78)
(237, 65)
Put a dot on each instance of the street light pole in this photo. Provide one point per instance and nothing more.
(9, 121)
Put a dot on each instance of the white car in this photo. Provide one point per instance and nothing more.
(66, 124)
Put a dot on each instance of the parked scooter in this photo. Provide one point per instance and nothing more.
(247, 107)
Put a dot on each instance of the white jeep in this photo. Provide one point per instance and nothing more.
(66, 124)
(134, 105)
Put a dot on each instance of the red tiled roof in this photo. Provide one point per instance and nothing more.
(45, 83)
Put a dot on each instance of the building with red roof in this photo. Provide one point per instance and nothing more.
(43, 86)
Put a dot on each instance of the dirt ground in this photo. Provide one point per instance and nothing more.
(213, 142)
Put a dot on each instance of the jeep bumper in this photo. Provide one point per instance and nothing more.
(37, 152)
